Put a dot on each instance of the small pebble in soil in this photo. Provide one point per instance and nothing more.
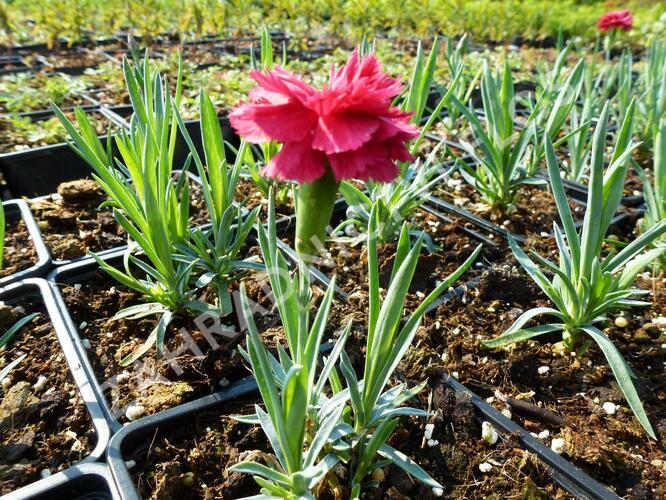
(188, 479)
(455, 375)
(40, 384)
(420, 295)
(77, 286)
(130, 464)
(6, 383)
(621, 322)
(543, 234)
(557, 445)
(542, 370)
(506, 412)
(488, 433)
(224, 382)
(85, 343)
(544, 434)
(438, 492)
(134, 412)
(427, 431)
(123, 377)
(490, 400)
(82, 325)
(432, 443)
(44, 473)
(485, 467)
(660, 321)
(378, 475)
(609, 407)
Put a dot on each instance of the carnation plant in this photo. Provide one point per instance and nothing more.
(347, 130)
(147, 204)
(588, 283)
(550, 112)
(500, 149)
(217, 250)
(311, 419)
(154, 209)
(611, 23)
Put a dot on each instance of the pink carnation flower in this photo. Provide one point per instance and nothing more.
(348, 124)
(619, 19)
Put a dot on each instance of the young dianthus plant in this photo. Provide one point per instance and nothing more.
(500, 149)
(146, 202)
(216, 249)
(586, 284)
(393, 202)
(312, 420)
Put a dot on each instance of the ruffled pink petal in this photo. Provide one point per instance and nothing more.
(382, 171)
(279, 83)
(396, 124)
(397, 151)
(343, 132)
(355, 164)
(242, 120)
(287, 122)
(296, 161)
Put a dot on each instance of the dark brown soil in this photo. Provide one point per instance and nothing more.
(186, 372)
(191, 461)
(41, 430)
(73, 224)
(533, 215)
(19, 251)
(248, 193)
(612, 448)
(452, 246)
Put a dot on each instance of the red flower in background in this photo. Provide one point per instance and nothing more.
(619, 19)
(349, 123)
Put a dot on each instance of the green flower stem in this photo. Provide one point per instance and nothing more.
(313, 213)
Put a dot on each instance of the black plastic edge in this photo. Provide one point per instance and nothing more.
(41, 286)
(567, 475)
(79, 482)
(43, 263)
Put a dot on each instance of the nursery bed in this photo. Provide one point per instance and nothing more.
(42, 431)
(452, 246)
(567, 399)
(188, 372)
(190, 461)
